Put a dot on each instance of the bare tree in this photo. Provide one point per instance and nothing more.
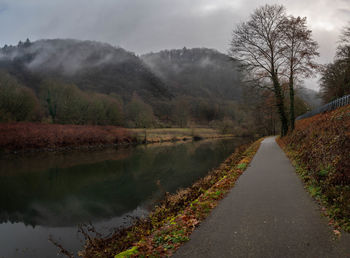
(299, 51)
(343, 57)
(258, 46)
(335, 80)
(343, 49)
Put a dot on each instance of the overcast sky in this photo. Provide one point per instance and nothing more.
(152, 25)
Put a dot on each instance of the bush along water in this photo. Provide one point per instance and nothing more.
(174, 219)
(319, 148)
(26, 136)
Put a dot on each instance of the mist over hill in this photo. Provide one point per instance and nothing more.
(310, 96)
(85, 82)
(197, 72)
(92, 66)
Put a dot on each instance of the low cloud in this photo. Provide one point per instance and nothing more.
(152, 25)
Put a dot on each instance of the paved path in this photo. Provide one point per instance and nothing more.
(267, 214)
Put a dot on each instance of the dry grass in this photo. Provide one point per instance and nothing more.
(175, 134)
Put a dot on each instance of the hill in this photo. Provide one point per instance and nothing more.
(69, 81)
(311, 97)
(197, 72)
(92, 66)
(86, 82)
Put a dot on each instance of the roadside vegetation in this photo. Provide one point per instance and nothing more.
(319, 148)
(174, 219)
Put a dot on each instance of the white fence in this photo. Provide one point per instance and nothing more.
(328, 107)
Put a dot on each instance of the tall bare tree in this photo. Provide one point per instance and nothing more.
(299, 51)
(258, 45)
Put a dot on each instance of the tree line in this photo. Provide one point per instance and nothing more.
(203, 86)
(56, 102)
(60, 102)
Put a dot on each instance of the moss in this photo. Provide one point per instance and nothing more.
(127, 253)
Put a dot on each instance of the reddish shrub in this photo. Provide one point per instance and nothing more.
(324, 140)
(24, 136)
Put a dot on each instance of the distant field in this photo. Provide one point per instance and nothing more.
(175, 134)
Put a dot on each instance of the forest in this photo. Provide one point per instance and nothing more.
(91, 83)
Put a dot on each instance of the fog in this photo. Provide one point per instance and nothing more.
(67, 56)
(143, 26)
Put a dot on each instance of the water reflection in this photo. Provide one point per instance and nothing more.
(52, 193)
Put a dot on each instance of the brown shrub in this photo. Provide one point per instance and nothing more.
(324, 140)
(25, 136)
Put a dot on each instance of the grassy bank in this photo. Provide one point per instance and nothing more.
(173, 220)
(20, 137)
(320, 150)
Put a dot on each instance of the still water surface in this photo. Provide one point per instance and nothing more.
(50, 194)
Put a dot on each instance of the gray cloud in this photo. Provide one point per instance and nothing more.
(151, 25)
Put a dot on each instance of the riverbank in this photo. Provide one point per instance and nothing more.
(175, 134)
(33, 137)
(319, 149)
(105, 187)
(27, 137)
(173, 220)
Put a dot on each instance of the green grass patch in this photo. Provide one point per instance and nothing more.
(242, 166)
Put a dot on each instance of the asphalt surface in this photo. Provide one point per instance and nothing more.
(268, 213)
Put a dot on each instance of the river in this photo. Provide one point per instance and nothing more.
(49, 194)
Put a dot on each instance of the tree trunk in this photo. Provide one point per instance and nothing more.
(291, 96)
(52, 107)
(280, 105)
